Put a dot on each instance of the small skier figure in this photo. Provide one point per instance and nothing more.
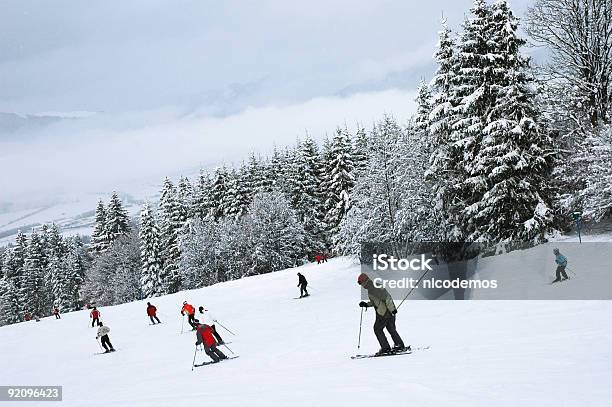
(205, 336)
(324, 258)
(318, 258)
(95, 316)
(190, 311)
(302, 283)
(207, 318)
(56, 313)
(381, 300)
(27, 317)
(152, 313)
(103, 332)
(561, 261)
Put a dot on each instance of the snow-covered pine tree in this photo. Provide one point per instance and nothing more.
(185, 197)
(218, 192)
(237, 197)
(74, 276)
(32, 292)
(201, 204)
(306, 196)
(360, 150)
(99, 241)
(442, 172)
(423, 101)
(151, 279)
(472, 98)
(171, 222)
(117, 220)
(339, 179)
(513, 163)
(10, 301)
(376, 194)
(277, 236)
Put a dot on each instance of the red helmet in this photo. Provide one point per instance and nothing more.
(363, 277)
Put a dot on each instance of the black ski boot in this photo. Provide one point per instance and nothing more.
(383, 352)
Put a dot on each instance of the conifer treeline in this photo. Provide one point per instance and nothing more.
(489, 156)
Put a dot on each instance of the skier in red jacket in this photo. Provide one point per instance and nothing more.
(206, 337)
(190, 311)
(95, 316)
(152, 313)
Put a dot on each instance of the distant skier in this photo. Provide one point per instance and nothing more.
(381, 300)
(27, 317)
(206, 317)
(103, 332)
(95, 316)
(190, 311)
(56, 313)
(302, 283)
(561, 261)
(318, 258)
(152, 313)
(205, 336)
(324, 258)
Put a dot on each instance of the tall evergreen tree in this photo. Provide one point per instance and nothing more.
(339, 179)
(171, 225)
(117, 220)
(99, 238)
(151, 280)
(32, 291)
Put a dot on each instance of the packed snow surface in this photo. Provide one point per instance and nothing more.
(297, 352)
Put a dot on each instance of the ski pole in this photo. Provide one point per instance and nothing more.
(360, 322)
(221, 325)
(98, 340)
(410, 292)
(194, 356)
(182, 322)
(228, 348)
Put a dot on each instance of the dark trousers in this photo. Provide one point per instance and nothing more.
(153, 321)
(388, 321)
(214, 353)
(57, 316)
(94, 321)
(216, 334)
(191, 321)
(303, 291)
(106, 343)
(561, 272)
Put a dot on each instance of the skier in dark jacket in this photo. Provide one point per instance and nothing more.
(152, 313)
(206, 337)
(56, 312)
(302, 283)
(561, 261)
(381, 300)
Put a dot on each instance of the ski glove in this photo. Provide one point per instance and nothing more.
(394, 312)
(363, 304)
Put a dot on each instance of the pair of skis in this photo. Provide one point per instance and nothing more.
(213, 363)
(405, 351)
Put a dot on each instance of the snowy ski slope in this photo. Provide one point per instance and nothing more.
(296, 352)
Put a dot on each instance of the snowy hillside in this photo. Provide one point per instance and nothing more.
(296, 352)
(74, 217)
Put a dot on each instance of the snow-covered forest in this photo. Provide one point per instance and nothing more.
(499, 151)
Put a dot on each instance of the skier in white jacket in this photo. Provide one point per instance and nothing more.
(207, 318)
(103, 332)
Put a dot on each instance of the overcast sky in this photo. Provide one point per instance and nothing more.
(178, 84)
